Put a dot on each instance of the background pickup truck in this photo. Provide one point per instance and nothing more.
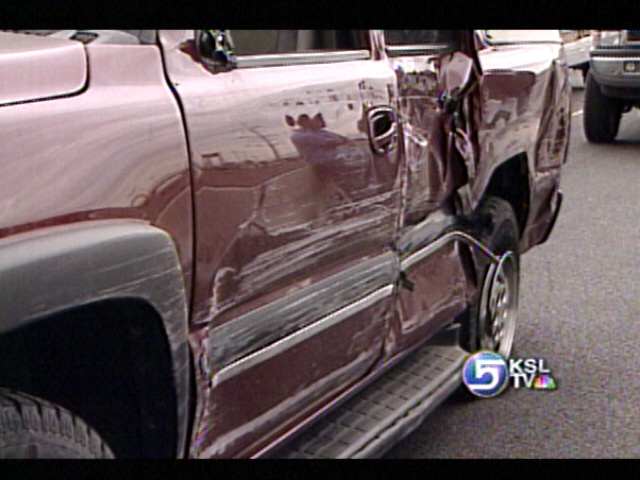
(578, 45)
(612, 84)
(276, 243)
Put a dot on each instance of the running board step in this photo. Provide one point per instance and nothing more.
(385, 411)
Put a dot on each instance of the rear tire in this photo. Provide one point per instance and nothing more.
(601, 113)
(34, 428)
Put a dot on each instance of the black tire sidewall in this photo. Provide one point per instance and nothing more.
(602, 114)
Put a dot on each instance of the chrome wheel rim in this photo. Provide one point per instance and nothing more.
(499, 306)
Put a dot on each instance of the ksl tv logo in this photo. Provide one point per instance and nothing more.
(487, 374)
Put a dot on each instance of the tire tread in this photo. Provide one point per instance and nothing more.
(37, 428)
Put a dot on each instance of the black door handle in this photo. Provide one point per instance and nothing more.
(383, 129)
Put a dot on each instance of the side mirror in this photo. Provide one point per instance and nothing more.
(458, 77)
(215, 49)
(481, 39)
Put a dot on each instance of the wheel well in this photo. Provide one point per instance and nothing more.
(510, 181)
(108, 362)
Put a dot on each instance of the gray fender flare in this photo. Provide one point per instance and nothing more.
(58, 268)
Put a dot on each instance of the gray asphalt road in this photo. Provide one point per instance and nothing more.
(580, 311)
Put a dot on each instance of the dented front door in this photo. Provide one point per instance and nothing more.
(296, 181)
(437, 78)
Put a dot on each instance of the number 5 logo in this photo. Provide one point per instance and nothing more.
(492, 367)
(485, 374)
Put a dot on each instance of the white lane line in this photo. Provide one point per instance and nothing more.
(575, 114)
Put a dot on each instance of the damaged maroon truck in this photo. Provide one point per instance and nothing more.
(269, 243)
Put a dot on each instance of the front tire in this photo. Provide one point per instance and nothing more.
(601, 113)
(490, 324)
(494, 316)
(34, 428)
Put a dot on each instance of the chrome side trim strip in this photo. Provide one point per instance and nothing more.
(433, 49)
(301, 335)
(250, 332)
(439, 243)
(615, 59)
(500, 43)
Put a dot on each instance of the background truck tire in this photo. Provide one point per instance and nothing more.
(601, 113)
(33, 428)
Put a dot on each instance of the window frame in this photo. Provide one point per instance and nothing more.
(312, 57)
(301, 58)
(419, 49)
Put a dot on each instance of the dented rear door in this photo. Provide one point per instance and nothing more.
(294, 217)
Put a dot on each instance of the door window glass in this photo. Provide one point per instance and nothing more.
(420, 42)
(267, 42)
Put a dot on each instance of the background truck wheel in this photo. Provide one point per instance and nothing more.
(33, 428)
(601, 113)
